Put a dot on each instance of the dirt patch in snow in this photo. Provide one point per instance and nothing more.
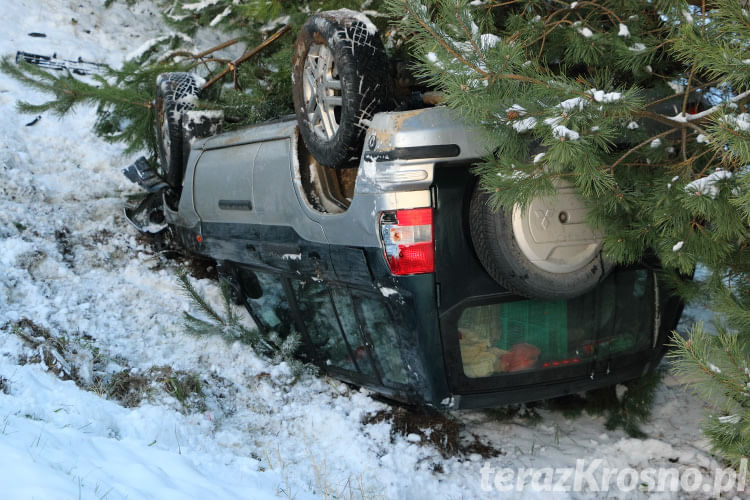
(127, 388)
(44, 348)
(430, 428)
(130, 388)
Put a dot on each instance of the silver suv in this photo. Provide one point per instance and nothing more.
(364, 229)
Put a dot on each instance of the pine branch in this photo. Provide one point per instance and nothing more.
(200, 55)
(638, 146)
(229, 325)
(426, 26)
(232, 66)
(190, 291)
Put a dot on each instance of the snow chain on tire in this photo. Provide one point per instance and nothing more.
(340, 80)
(176, 93)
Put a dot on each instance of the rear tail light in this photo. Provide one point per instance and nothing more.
(562, 362)
(695, 108)
(408, 241)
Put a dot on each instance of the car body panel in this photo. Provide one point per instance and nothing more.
(234, 166)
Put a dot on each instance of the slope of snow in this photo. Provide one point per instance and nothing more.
(73, 265)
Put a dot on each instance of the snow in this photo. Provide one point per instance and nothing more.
(146, 46)
(561, 131)
(571, 104)
(708, 185)
(216, 20)
(676, 86)
(624, 31)
(524, 125)
(730, 419)
(199, 6)
(739, 122)
(620, 391)
(637, 47)
(73, 265)
(387, 292)
(275, 23)
(655, 143)
(342, 14)
(680, 118)
(488, 41)
(60, 418)
(678, 246)
(587, 33)
(605, 97)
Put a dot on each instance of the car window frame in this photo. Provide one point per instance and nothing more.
(460, 383)
(357, 292)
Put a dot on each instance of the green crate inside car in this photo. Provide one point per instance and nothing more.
(543, 324)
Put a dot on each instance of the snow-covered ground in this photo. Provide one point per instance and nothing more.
(108, 306)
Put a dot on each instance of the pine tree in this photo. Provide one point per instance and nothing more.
(718, 365)
(259, 89)
(643, 107)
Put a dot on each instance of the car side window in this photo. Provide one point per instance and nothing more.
(351, 331)
(320, 319)
(379, 326)
(268, 301)
(359, 345)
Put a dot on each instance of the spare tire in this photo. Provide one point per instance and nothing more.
(176, 93)
(340, 80)
(546, 252)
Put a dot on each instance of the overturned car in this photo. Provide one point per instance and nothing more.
(364, 229)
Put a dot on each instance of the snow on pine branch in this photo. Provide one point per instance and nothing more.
(739, 122)
(199, 6)
(216, 20)
(709, 185)
(150, 44)
(469, 55)
(515, 116)
(684, 118)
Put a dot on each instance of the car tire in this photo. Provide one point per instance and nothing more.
(546, 252)
(175, 94)
(339, 82)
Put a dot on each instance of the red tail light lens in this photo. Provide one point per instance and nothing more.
(408, 241)
(562, 362)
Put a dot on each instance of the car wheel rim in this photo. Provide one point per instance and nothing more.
(552, 232)
(166, 142)
(322, 91)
